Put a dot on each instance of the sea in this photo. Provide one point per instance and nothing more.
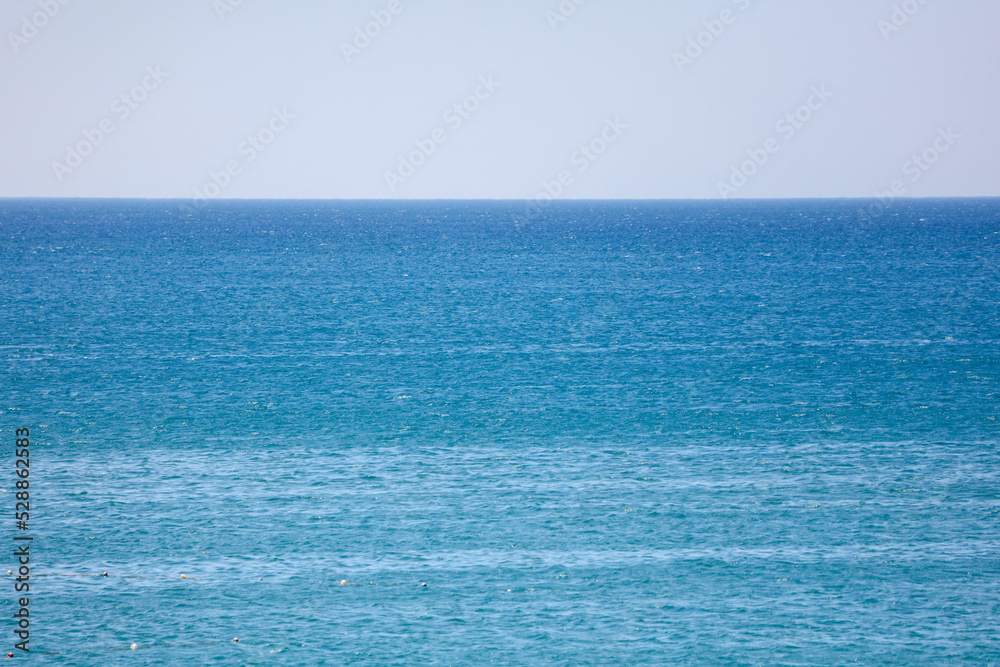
(487, 432)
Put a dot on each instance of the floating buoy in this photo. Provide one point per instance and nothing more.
(236, 640)
(423, 585)
(104, 574)
(134, 646)
(260, 578)
(343, 582)
(10, 655)
(184, 576)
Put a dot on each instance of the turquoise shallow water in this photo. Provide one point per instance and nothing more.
(618, 433)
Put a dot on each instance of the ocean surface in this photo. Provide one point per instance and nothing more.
(635, 433)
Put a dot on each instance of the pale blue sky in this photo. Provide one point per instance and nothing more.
(670, 128)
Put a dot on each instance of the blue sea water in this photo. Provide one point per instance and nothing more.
(636, 433)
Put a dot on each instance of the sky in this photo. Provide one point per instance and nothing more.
(517, 99)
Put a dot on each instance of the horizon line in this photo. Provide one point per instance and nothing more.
(498, 199)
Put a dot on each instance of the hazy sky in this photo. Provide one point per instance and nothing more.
(617, 99)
